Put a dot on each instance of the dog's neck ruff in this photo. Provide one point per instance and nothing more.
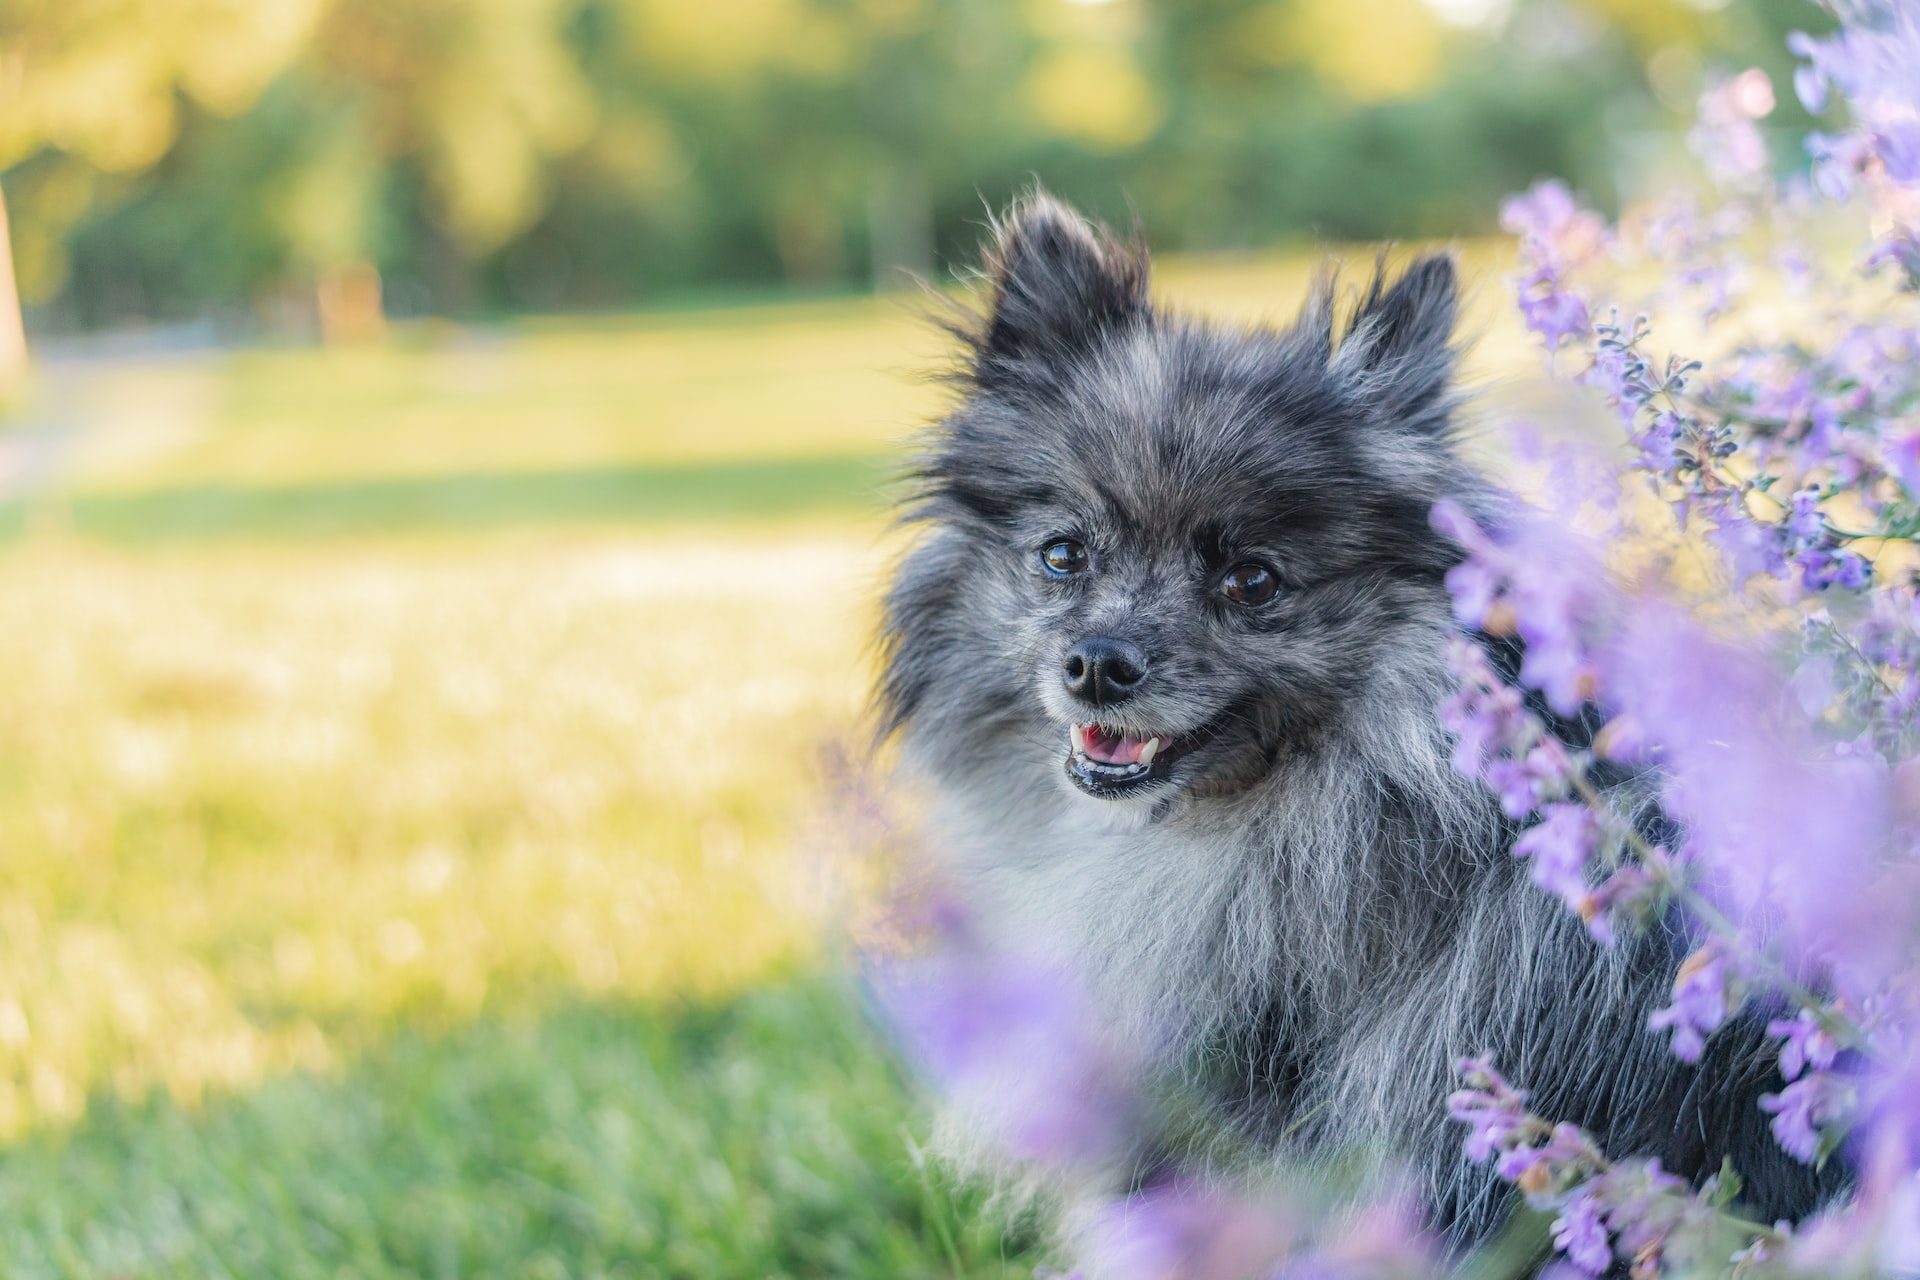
(1290, 898)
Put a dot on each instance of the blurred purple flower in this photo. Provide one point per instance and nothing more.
(1581, 1234)
(1805, 1044)
(1552, 311)
(1625, 889)
(1806, 520)
(1522, 784)
(1802, 1108)
(1013, 1040)
(1566, 1146)
(1380, 1241)
(1486, 715)
(1475, 585)
(1903, 460)
(1699, 1004)
(1725, 137)
(1183, 1231)
(1644, 1203)
(1776, 824)
(1559, 846)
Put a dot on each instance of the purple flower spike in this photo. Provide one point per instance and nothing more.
(1581, 1234)
(1803, 1108)
(1699, 1004)
(1523, 784)
(1903, 460)
(1552, 312)
(1559, 847)
(1806, 1045)
(1493, 1110)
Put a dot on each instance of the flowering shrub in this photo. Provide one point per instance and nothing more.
(1763, 669)
(1755, 669)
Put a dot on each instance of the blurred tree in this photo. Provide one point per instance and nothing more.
(457, 154)
(98, 79)
(467, 102)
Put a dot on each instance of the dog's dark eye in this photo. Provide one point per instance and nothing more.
(1065, 556)
(1249, 584)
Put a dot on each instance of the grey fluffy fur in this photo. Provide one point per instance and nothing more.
(1313, 916)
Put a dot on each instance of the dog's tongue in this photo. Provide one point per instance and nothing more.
(1113, 748)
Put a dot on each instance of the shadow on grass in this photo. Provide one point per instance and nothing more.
(767, 1136)
(716, 491)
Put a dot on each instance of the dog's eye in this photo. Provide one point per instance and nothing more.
(1249, 584)
(1064, 557)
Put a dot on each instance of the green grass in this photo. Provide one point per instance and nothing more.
(739, 491)
(768, 1136)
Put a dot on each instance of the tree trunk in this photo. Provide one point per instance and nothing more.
(13, 333)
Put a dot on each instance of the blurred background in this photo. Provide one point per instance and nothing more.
(444, 448)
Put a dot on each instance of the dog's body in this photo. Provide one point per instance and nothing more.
(1194, 565)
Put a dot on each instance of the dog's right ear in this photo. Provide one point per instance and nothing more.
(1060, 286)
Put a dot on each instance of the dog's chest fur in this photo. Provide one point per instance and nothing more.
(1191, 917)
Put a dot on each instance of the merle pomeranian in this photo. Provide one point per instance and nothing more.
(1168, 656)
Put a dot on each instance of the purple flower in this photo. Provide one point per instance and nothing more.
(1624, 889)
(1903, 460)
(1559, 846)
(1475, 585)
(1809, 82)
(1699, 1004)
(1775, 825)
(1806, 1044)
(1184, 1230)
(1899, 249)
(1523, 784)
(1725, 137)
(1658, 441)
(1493, 1110)
(1552, 312)
(1644, 1203)
(1806, 521)
(1581, 1234)
(1747, 546)
(1802, 1108)
(1014, 1042)
(1566, 1147)
(1553, 229)
(1486, 715)
(1381, 1240)
(1871, 61)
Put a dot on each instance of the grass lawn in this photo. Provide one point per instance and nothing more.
(761, 1136)
(444, 906)
(417, 788)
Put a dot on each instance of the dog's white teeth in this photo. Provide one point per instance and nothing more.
(1079, 736)
(1147, 752)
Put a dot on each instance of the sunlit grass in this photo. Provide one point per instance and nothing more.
(256, 800)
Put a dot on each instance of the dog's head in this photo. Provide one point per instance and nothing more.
(1175, 550)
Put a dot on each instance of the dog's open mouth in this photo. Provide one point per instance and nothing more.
(1109, 764)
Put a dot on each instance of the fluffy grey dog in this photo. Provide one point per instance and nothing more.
(1168, 656)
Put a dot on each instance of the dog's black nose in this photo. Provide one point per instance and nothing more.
(1103, 670)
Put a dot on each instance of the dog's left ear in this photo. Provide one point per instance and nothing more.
(1398, 355)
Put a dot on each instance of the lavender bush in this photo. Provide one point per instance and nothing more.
(1736, 591)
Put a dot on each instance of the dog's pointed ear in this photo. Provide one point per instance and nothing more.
(1398, 355)
(1060, 285)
